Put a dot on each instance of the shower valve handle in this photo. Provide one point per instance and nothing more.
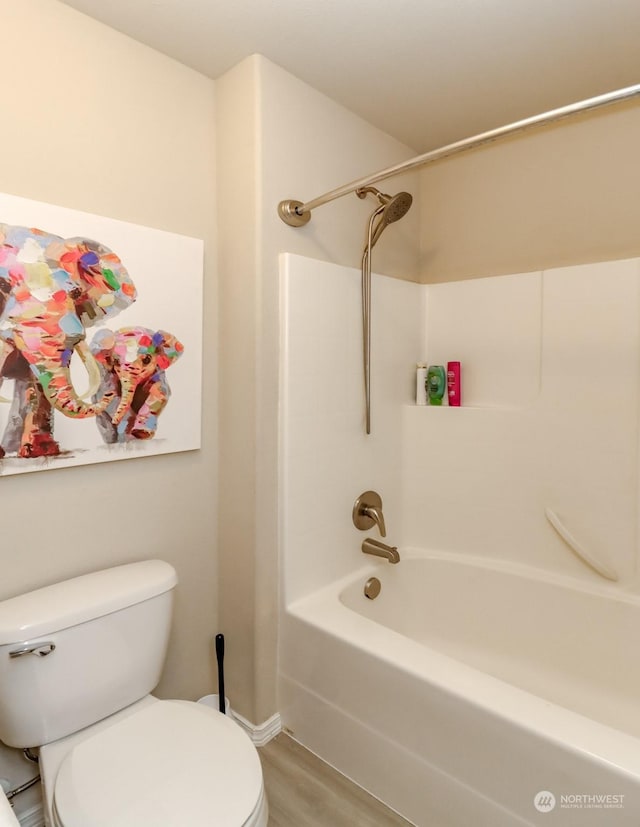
(367, 512)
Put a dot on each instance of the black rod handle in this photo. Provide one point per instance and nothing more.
(220, 659)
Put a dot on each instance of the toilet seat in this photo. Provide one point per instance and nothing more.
(173, 763)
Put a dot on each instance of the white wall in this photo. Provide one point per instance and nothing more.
(553, 196)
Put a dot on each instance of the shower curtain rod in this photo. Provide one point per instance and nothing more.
(296, 213)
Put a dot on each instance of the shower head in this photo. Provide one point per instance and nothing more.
(395, 207)
(390, 208)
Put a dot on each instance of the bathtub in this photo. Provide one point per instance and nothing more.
(471, 693)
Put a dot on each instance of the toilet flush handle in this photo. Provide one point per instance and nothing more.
(41, 650)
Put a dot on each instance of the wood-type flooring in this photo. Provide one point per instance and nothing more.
(303, 791)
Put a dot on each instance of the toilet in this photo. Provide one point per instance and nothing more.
(7, 817)
(78, 661)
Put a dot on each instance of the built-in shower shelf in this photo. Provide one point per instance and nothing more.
(468, 408)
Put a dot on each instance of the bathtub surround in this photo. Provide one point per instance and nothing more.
(550, 420)
(598, 562)
(535, 432)
(487, 469)
(322, 392)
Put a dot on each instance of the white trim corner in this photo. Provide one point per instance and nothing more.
(260, 734)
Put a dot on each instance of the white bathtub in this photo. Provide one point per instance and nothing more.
(466, 688)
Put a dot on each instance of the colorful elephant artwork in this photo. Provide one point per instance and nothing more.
(133, 361)
(52, 290)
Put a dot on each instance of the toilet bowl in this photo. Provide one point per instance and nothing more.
(7, 817)
(78, 661)
(173, 763)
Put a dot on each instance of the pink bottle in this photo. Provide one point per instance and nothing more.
(453, 384)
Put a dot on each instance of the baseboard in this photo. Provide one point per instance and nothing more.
(34, 817)
(260, 734)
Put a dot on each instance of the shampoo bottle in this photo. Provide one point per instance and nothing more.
(453, 384)
(421, 384)
(436, 384)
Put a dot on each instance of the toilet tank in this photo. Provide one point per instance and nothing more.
(75, 652)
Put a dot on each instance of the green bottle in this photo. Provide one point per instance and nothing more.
(436, 384)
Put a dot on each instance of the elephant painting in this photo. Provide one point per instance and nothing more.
(29, 432)
(51, 290)
(132, 362)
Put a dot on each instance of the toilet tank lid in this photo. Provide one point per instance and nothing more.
(61, 605)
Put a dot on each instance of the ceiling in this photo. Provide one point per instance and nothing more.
(428, 72)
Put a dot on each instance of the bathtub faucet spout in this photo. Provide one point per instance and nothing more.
(379, 549)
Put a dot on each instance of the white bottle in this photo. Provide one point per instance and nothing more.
(421, 383)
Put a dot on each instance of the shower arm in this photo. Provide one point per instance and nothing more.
(296, 213)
